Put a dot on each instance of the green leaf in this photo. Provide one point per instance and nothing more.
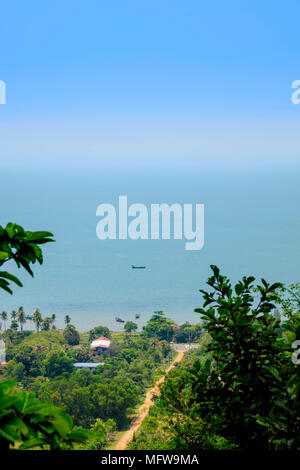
(4, 285)
(40, 235)
(6, 402)
(11, 433)
(3, 255)
(31, 443)
(274, 372)
(80, 435)
(9, 276)
(238, 289)
(62, 423)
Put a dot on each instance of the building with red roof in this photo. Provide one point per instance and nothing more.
(101, 343)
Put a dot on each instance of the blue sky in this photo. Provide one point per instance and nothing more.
(149, 83)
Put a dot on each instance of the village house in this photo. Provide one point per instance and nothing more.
(100, 345)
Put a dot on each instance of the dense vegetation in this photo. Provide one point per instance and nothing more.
(108, 393)
(161, 327)
(244, 393)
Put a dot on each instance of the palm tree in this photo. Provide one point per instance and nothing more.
(21, 316)
(13, 315)
(37, 319)
(67, 319)
(46, 324)
(4, 318)
(53, 318)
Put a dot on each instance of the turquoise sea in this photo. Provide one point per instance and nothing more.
(252, 227)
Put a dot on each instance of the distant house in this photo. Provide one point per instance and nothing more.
(2, 365)
(101, 344)
(88, 365)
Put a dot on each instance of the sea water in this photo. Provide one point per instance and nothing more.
(252, 221)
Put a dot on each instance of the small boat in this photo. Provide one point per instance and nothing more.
(120, 320)
(138, 267)
(137, 316)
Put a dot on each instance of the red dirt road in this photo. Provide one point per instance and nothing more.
(144, 408)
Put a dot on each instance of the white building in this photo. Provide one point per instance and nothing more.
(101, 344)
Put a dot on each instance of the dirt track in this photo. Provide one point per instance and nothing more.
(144, 408)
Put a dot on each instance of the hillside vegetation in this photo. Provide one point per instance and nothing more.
(242, 389)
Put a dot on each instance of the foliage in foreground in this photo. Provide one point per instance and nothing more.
(22, 247)
(26, 423)
(246, 395)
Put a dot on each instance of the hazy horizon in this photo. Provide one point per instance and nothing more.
(112, 85)
(162, 102)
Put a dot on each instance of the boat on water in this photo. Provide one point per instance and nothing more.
(138, 267)
(118, 319)
(137, 316)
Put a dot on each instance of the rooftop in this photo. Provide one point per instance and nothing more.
(101, 343)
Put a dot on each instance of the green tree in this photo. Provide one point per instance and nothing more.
(13, 315)
(159, 326)
(71, 335)
(99, 331)
(15, 370)
(159, 313)
(56, 363)
(21, 316)
(187, 333)
(53, 319)
(67, 319)
(111, 426)
(46, 324)
(83, 354)
(130, 326)
(30, 358)
(4, 318)
(37, 319)
(99, 428)
(14, 325)
(129, 354)
(290, 304)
